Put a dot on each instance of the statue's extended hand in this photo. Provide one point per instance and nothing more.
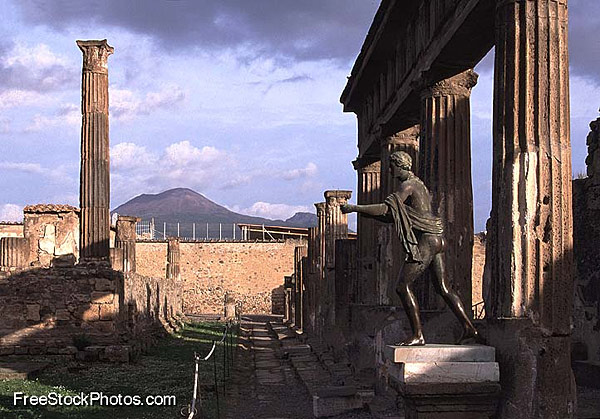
(346, 208)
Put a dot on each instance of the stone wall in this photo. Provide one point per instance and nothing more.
(249, 271)
(52, 231)
(89, 311)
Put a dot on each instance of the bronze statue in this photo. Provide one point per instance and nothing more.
(421, 235)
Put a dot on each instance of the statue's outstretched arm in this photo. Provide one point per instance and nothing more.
(374, 210)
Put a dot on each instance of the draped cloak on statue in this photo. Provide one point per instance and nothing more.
(406, 220)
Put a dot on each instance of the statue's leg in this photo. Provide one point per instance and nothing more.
(441, 286)
(409, 273)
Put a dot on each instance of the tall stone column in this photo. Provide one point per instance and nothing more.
(94, 193)
(336, 227)
(336, 223)
(320, 274)
(300, 255)
(406, 140)
(173, 259)
(125, 239)
(369, 174)
(445, 167)
(390, 257)
(310, 280)
(530, 239)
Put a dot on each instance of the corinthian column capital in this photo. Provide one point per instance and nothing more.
(95, 55)
(459, 85)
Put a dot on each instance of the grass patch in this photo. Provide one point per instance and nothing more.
(166, 370)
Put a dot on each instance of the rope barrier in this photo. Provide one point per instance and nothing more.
(227, 341)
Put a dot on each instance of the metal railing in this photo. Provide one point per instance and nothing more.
(151, 230)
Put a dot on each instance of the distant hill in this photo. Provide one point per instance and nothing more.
(185, 206)
(302, 219)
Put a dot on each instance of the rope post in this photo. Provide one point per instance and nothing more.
(216, 385)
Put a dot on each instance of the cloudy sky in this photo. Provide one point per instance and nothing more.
(236, 99)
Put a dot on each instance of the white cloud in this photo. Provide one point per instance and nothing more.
(185, 154)
(15, 97)
(126, 156)
(181, 164)
(309, 171)
(274, 211)
(69, 115)
(57, 174)
(35, 68)
(125, 104)
(11, 212)
(34, 57)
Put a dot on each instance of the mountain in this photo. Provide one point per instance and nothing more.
(302, 219)
(185, 206)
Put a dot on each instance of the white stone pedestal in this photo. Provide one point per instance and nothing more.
(445, 381)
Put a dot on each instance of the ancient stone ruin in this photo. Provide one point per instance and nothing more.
(410, 88)
(63, 289)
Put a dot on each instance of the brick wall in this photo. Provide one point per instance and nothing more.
(250, 272)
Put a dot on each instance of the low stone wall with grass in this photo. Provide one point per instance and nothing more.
(85, 311)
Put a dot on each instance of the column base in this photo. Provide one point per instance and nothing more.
(535, 370)
(450, 400)
(445, 381)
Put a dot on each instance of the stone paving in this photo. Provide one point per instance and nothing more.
(265, 384)
(273, 378)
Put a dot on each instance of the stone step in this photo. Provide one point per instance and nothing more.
(440, 353)
(446, 372)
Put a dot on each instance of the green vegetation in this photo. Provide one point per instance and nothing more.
(167, 369)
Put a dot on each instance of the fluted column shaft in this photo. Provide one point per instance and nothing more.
(125, 239)
(311, 278)
(320, 287)
(336, 228)
(445, 167)
(530, 238)
(173, 259)
(94, 194)
(369, 192)
(300, 254)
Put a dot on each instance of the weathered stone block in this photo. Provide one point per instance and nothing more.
(103, 297)
(108, 311)
(37, 350)
(104, 326)
(33, 312)
(63, 314)
(88, 313)
(68, 350)
(7, 350)
(103, 284)
(441, 353)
